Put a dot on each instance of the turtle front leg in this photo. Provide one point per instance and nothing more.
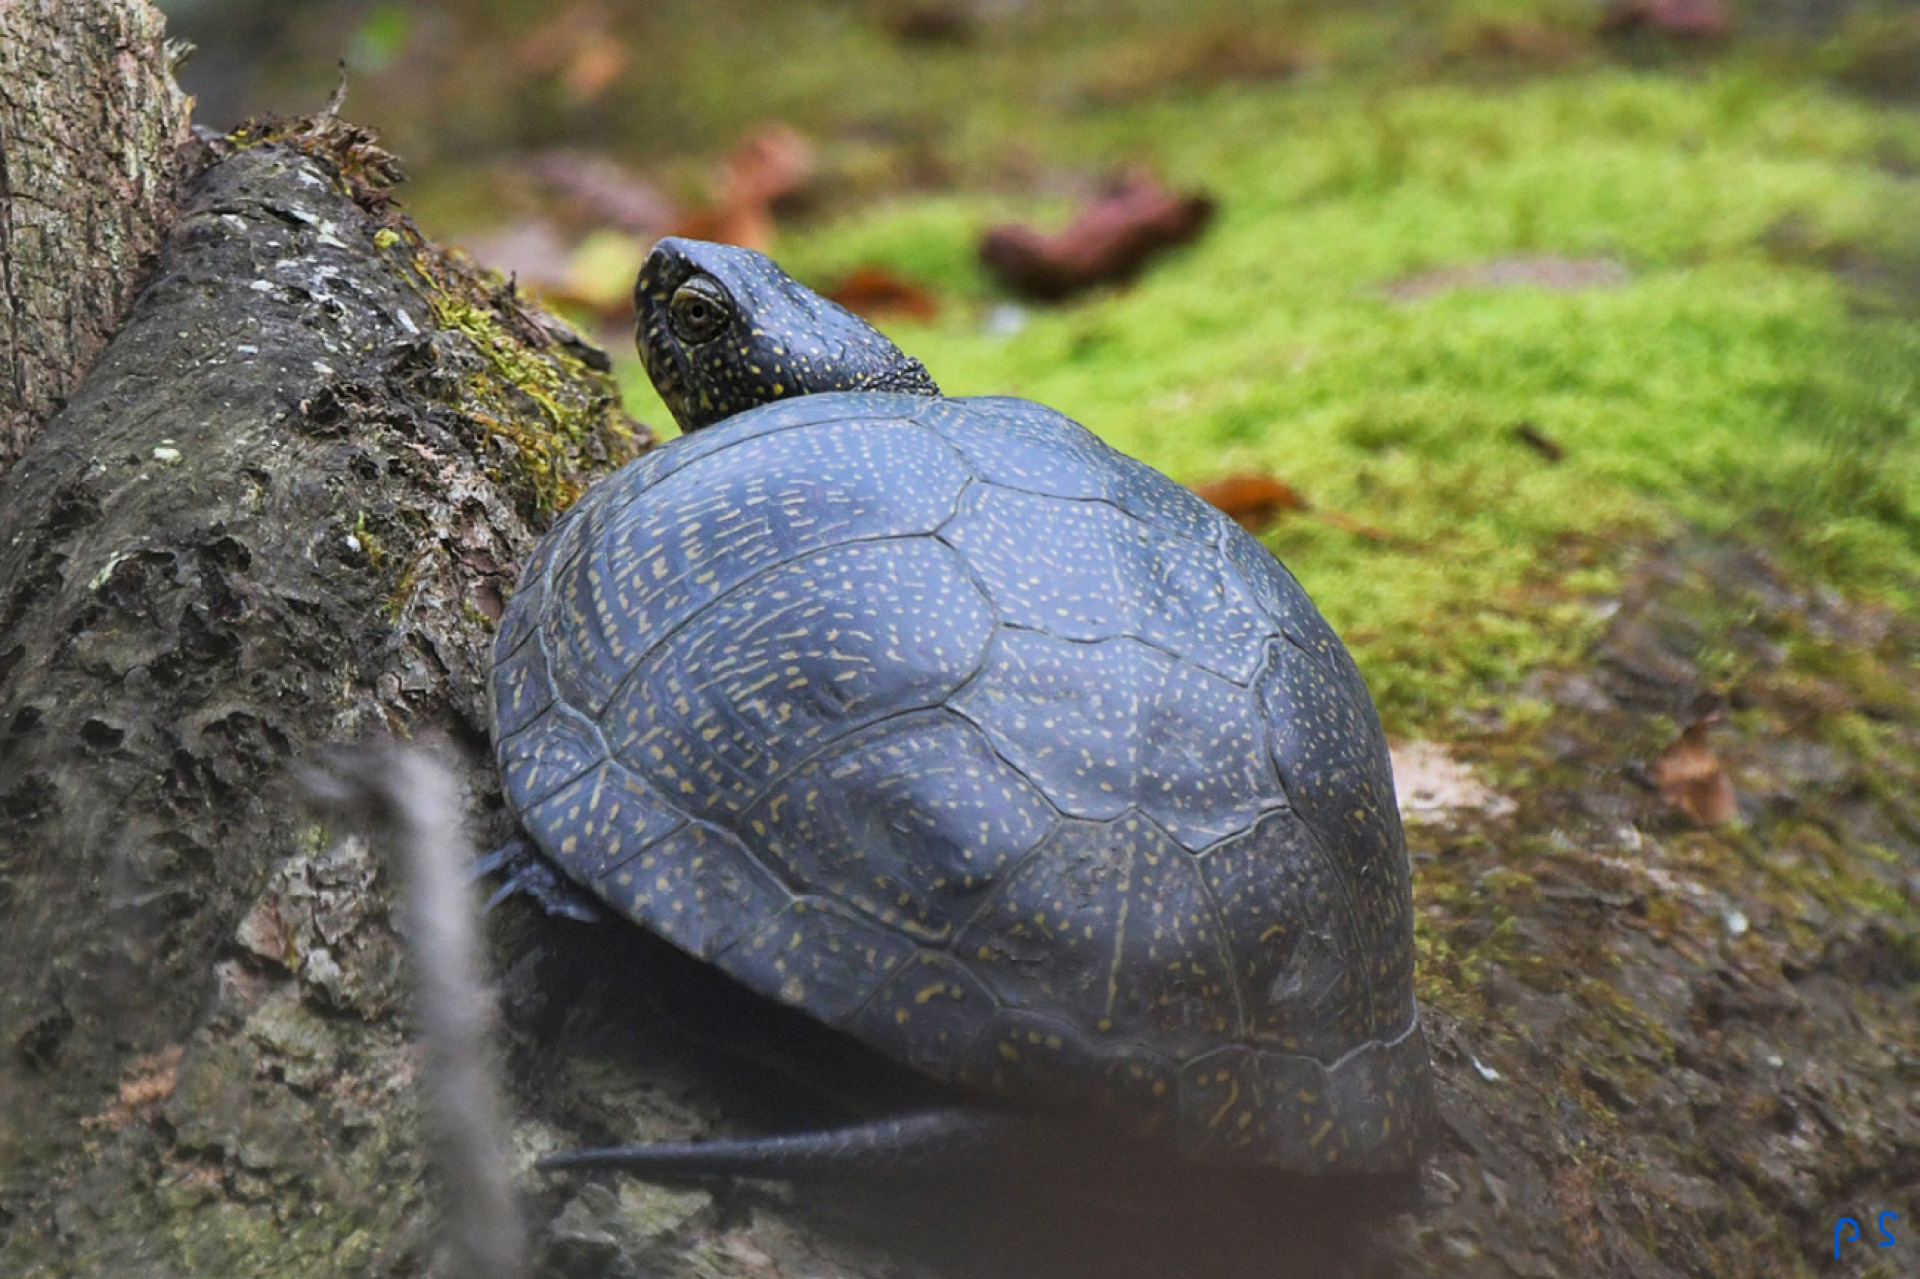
(527, 874)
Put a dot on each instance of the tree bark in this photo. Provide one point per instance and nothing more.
(90, 121)
(280, 511)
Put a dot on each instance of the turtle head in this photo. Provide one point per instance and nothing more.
(722, 330)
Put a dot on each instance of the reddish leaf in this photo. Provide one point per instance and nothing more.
(772, 164)
(1691, 779)
(1110, 241)
(1687, 19)
(749, 226)
(1254, 501)
(876, 292)
(594, 69)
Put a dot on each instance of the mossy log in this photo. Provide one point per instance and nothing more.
(280, 511)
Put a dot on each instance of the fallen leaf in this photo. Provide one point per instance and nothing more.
(1539, 441)
(1691, 778)
(876, 293)
(1687, 19)
(772, 165)
(749, 226)
(1254, 501)
(1110, 241)
(593, 69)
(934, 21)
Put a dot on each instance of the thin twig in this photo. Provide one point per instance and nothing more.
(410, 802)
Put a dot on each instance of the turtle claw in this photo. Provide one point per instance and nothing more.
(527, 874)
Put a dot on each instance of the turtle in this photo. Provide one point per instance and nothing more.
(942, 721)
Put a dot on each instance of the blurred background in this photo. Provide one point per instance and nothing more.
(1462, 304)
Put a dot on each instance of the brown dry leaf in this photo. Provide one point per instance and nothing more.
(594, 69)
(1110, 241)
(1691, 778)
(750, 226)
(1687, 19)
(1254, 501)
(876, 293)
(1203, 55)
(933, 21)
(771, 165)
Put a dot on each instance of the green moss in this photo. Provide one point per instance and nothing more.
(1714, 383)
(557, 422)
(370, 546)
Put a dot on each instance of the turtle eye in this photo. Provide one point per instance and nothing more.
(699, 310)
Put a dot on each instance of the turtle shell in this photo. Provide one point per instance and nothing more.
(943, 721)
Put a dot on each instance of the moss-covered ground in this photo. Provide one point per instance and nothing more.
(1726, 376)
